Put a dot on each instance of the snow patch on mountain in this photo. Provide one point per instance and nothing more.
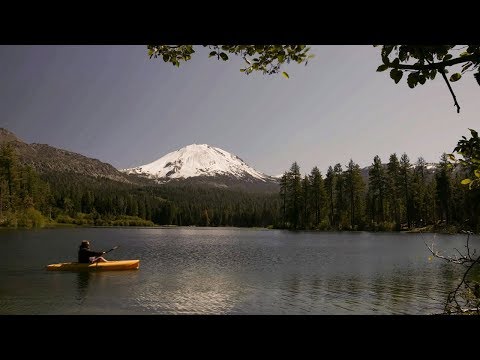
(197, 160)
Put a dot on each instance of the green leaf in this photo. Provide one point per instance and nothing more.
(396, 75)
(451, 157)
(382, 68)
(166, 58)
(447, 57)
(412, 79)
(387, 49)
(465, 53)
(213, 53)
(455, 77)
(477, 173)
(224, 56)
(150, 52)
(465, 181)
(285, 75)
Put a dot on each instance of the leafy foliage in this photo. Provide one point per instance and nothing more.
(423, 62)
(265, 58)
(469, 149)
(420, 61)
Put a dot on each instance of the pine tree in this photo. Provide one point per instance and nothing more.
(317, 195)
(9, 171)
(305, 198)
(418, 193)
(405, 173)
(340, 200)
(377, 189)
(393, 194)
(284, 181)
(330, 186)
(444, 190)
(354, 186)
(294, 191)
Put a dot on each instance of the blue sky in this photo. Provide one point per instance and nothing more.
(115, 104)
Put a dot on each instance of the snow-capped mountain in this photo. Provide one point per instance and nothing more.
(199, 161)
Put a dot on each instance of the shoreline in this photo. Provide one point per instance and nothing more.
(423, 230)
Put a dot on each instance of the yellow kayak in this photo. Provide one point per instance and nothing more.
(110, 265)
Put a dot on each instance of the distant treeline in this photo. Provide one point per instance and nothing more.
(30, 200)
(24, 197)
(396, 196)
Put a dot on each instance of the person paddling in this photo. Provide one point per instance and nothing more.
(85, 255)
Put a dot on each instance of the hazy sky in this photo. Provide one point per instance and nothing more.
(115, 104)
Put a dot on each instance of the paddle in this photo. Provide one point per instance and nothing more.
(115, 247)
(106, 252)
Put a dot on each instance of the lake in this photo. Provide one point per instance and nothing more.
(190, 270)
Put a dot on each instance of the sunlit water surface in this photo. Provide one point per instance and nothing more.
(228, 271)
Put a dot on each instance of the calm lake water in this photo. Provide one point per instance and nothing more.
(227, 271)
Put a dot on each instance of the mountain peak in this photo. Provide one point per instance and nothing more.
(8, 136)
(198, 160)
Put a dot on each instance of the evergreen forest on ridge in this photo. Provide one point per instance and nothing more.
(392, 196)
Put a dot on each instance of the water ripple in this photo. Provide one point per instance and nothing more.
(227, 271)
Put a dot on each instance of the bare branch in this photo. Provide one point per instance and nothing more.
(442, 71)
(468, 247)
(463, 260)
(461, 255)
(470, 310)
(452, 296)
(467, 300)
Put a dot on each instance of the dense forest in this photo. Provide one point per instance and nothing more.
(394, 196)
(24, 197)
(30, 200)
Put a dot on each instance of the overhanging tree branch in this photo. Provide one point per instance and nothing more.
(437, 66)
(442, 71)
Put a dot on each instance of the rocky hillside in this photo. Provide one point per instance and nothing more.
(47, 159)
